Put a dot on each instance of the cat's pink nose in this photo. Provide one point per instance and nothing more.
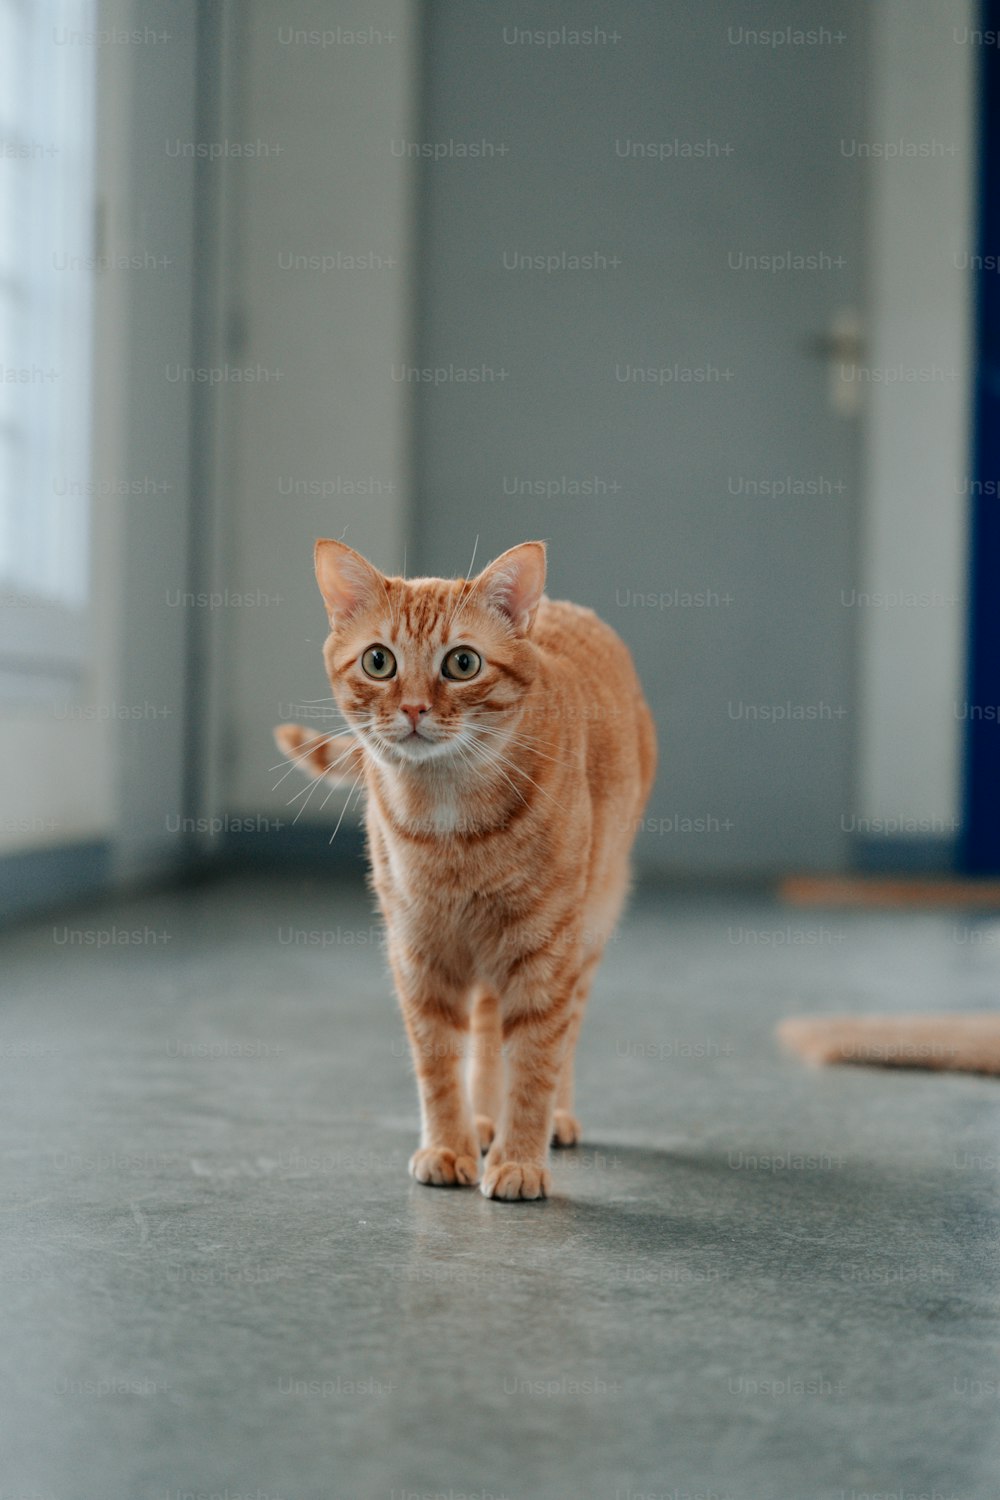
(414, 711)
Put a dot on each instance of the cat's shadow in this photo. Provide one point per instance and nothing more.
(711, 1206)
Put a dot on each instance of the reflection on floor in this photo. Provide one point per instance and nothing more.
(756, 1280)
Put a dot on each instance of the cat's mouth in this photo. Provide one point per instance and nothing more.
(416, 746)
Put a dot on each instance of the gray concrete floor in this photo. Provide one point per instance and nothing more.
(755, 1281)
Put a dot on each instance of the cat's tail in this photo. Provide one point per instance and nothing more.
(337, 759)
(949, 1044)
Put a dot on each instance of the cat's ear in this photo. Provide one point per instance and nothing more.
(514, 584)
(347, 581)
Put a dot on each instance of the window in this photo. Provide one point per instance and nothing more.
(47, 102)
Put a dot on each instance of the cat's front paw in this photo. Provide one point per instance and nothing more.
(511, 1181)
(566, 1129)
(439, 1166)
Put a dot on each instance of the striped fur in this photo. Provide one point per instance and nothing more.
(499, 832)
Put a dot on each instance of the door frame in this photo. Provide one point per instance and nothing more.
(980, 840)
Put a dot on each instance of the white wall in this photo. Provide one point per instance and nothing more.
(917, 452)
(326, 414)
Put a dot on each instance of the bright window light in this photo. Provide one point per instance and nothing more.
(47, 102)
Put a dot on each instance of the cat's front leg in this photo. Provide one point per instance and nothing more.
(486, 1072)
(437, 1022)
(565, 1125)
(534, 1049)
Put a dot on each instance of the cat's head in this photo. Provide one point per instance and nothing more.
(427, 669)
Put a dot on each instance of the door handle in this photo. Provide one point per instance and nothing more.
(842, 346)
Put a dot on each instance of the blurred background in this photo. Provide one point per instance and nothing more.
(699, 295)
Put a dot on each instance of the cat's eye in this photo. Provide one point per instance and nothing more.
(461, 664)
(378, 661)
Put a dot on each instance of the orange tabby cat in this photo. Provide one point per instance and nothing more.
(507, 753)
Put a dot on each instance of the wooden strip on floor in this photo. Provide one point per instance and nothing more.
(891, 891)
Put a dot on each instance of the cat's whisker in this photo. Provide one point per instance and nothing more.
(343, 810)
(490, 725)
(533, 749)
(294, 762)
(306, 792)
(512, 785)
(298, 709)
(329, 714)
(329, 794)
(463, 595)
(466, 757)
(320, 776)
(338, 785)
(314, 783)
(495, 756)
(305, 712)
(386, 746)
(516, 739)
(310, 789)
(483, 732)
(344, 755)
(388, 602)
(485, 758)
(294, 766)
(515, 736)
(362, 788)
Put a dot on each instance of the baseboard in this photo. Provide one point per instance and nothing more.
(299, 845)
(39, 880)
(903, 854)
